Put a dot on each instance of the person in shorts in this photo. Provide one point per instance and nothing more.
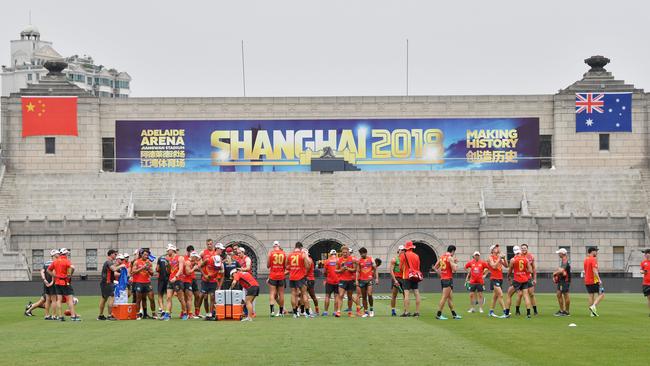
(331, 281)
(519, 271)
(106, 284)
(62, 269)
(211, 275)
(593, 282)
(496, 262)
(446, 266)
(396, 278)
(477, 270)
(298, 264)
(562, 279)
(251, 285)
(162, 270)
(276, 263)
(645, 271)
(346, 269)
(142, 270)
(311, 285)
(366, 274)
(409, 260)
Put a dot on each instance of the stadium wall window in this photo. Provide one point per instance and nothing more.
(37, 259)
(545, 151)
(108, 154)
(568, 250)
(619, 257)
(29, 77)
(509, 252)
(50, 145)
(91, 259)
(604, 142)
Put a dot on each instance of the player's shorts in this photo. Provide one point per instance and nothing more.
(347, 285)
(365, 283)
(519, 285)
(63, 290)
(48, 290)
(530, 283)
(646, 290)
(162, 286)
(410, 285)
(400, 284)
(277, 283)
(593, 289)
(297, 283)
(176, 286)
(563, 287)
(187, 286)
(208, 287)
(107, 289)
(142, 288)
(253, 291)
(476, 287)
(447, 283)
(331, 289)
(195, 285)
(496, 283)
(311, 284)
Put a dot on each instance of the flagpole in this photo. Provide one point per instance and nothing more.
(243, 68)
(407, 67)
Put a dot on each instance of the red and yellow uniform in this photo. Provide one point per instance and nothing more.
(590, 264)
(174, 267)
(446, 271)
(245, 279)
(531, 260)
(209, 272)
(365, 269)
(296, 262)
(520, 268)
(187, 275)
(142, 276)
(61, 267)
(331, 277)
(476, 270)
(347, 262)
(310, 273)
(278, 260)
(645, 266)
(409, 260)
(496, 273)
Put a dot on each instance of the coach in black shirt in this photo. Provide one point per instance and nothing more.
(106, 285)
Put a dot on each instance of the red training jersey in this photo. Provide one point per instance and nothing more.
(187, 275)
(365, 268)
(245, 279)
(531, 260)
(590, 264)
(520, 268)
(173, 267)
(496, 273)
(349, 263)
(645, 266)
(296, 262)
(61, 266)
(446, 272)
(209, 271)
(143, 276)
(310, 272)
(331, 277)
(278, 261)
(476, 269)
(409, 261)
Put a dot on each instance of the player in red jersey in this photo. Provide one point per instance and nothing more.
(496, 263)
(298, 264)
(396, 277)
(366, 274)
(208, 252)
(142, 271)
(446, 265)
(61, 269)
(252, 287)
(211, 278)
(311, 285)
(645, 271)
(410, 261)
(276, 262)
(175, 286)
(532, 280)
(519, 271)
(593, 282)
(331, 280)
(477, 270)
(346, 268)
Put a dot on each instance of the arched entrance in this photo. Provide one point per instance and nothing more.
(427, 256)
(249, 252)
(320, 250)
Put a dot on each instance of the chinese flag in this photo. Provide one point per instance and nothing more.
(49, 116)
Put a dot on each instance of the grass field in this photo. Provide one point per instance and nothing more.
(618, 337)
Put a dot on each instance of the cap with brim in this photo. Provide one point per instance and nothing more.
(409, 245)
(401, 247)
(516, 249)
(276, 243)
(476, 253)
(233, 272)
(220, 246)
(493, 246)
(561, 251)
(64, 251)
(126, 255)
(171, 246)
(332, 251)
(195, 254)
(120, 256)
(54, 252)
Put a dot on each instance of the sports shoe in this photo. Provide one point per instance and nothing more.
(138, 317)
(337, 314)
(185, 317)
(372, 313)
(351, 315)
(518, 313)
(28, 313)
(29, 304)
(405, 315)
(592, 308)
(247, 319)
(62, 319)
(457, 317)
(166, 317)
(393, 313)
(324, 313)
(365, 315)
(471, 310)
(197, 317)
(527, 316)
(416, 315)
(559, 313)
(279, 315)
(75, 318)
(49, 317)
(506, 316)
(492, 314)
(101, 317)
(359, 313)
(111, 318)
(480, 310)
(441, 317)
(296, 316)
(566, 313)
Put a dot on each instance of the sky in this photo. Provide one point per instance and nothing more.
(343, 47)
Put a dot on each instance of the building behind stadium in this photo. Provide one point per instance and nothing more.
(143, 172)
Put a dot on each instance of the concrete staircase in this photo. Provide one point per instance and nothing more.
(13, 264)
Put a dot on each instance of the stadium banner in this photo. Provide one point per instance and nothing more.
(292, 145)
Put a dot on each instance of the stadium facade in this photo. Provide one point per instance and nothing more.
(590, 188)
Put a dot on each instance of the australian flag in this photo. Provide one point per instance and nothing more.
(604, 112)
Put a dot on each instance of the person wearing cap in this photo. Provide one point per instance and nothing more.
(248, 282)
(532, 280)
(562, 278)
(519, 270)
(62, 269)
(106, 284)
(396, 277)
(645, 271)
(496, 262)
(175, 285)
(211, 278)
(229, 263)
(477, 271)
(49, 296)
(331, 281)
(276, 263)
(593, 282)
(410, 262)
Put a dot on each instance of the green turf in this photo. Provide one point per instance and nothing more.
(619, 337)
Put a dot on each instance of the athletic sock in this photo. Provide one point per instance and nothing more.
(371, 309)
(506, 311)
(453, 313)
(295, 310)
(439, 313)
(535, 308)
(281, 309)
(271, 306)
(517, 309)
(317, 310)
(307, 311)
(302, 308)
(527, 311)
